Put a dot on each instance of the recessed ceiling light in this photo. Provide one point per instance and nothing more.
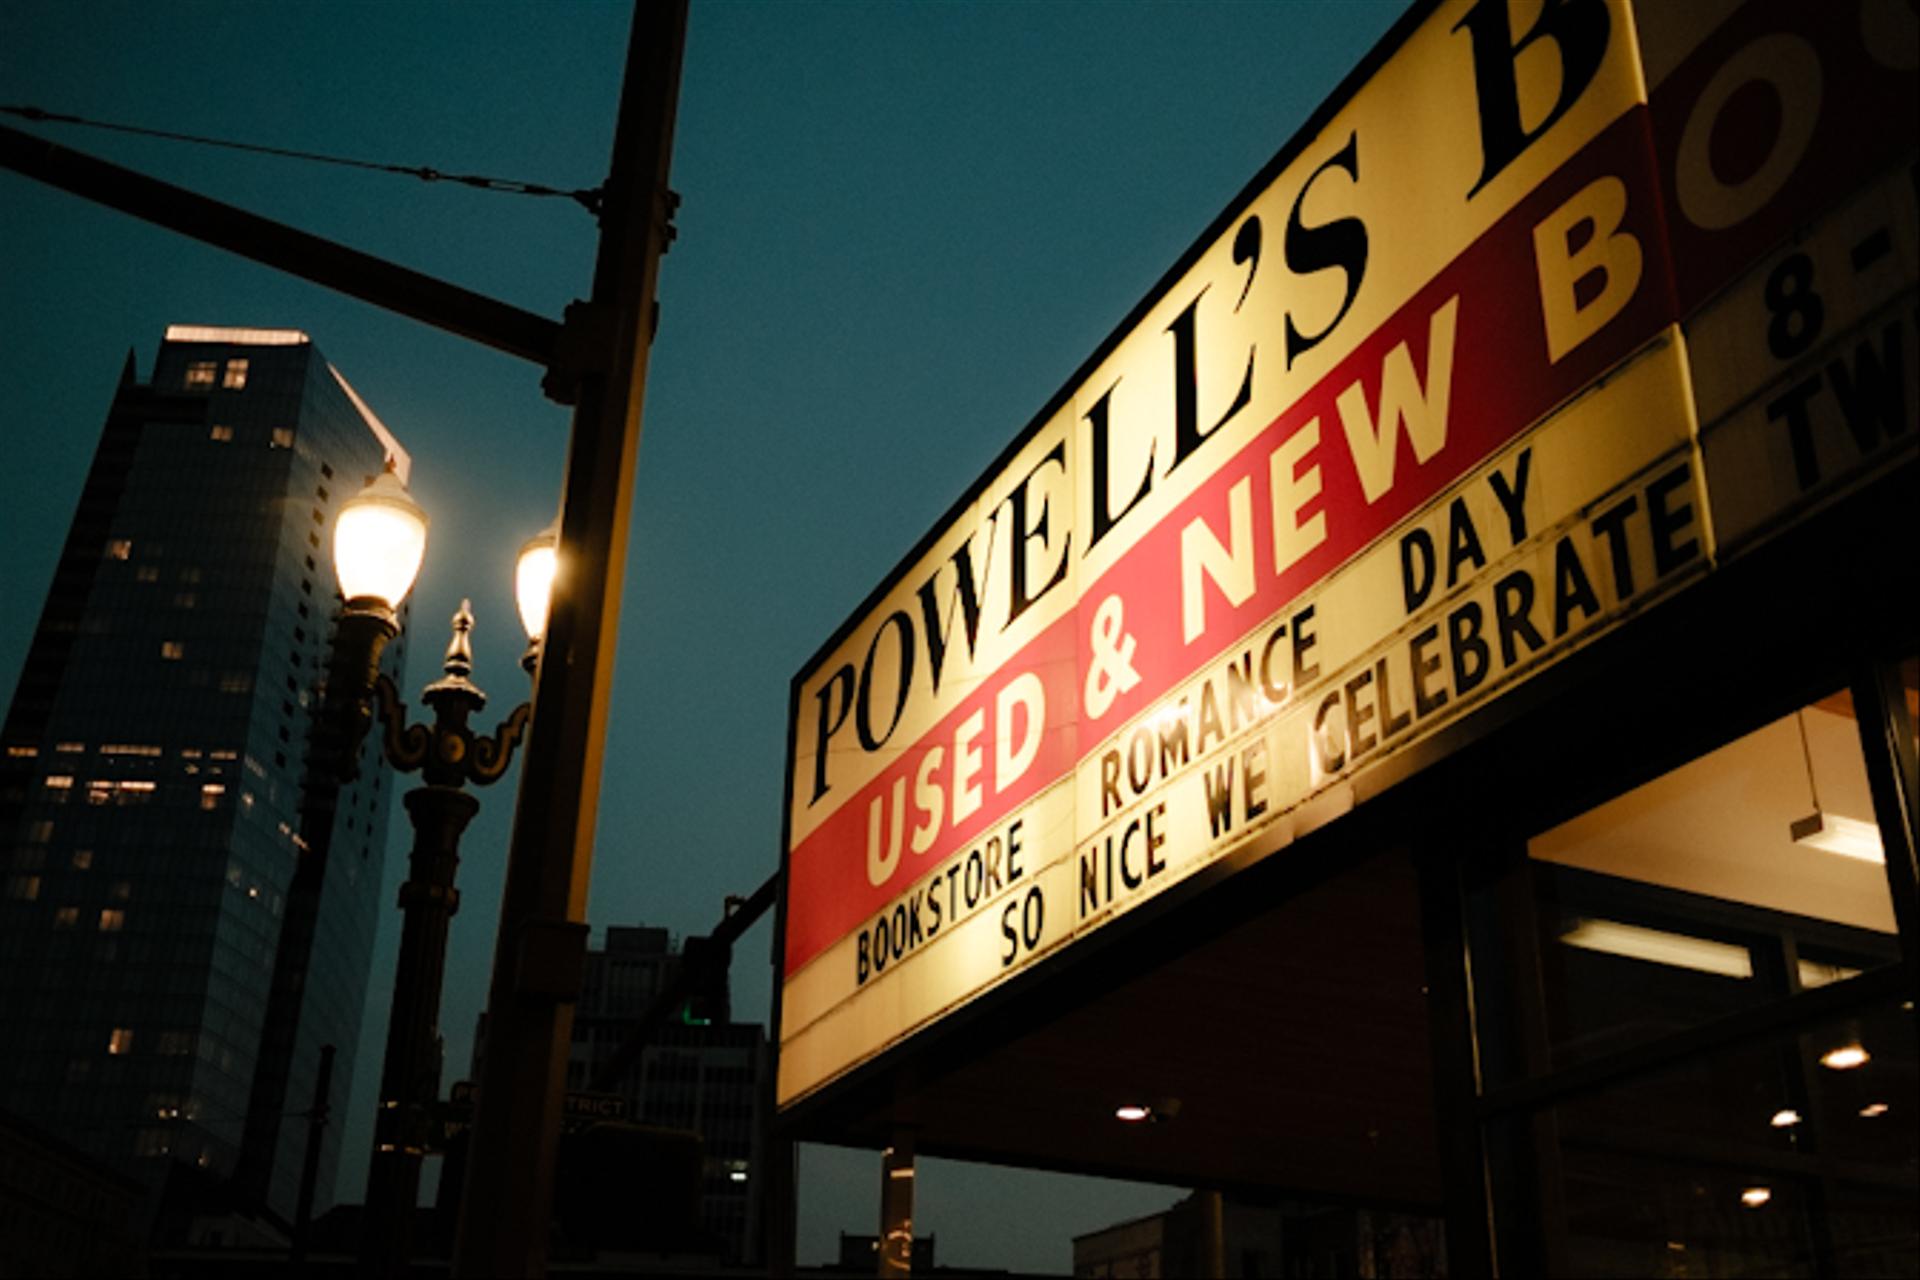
(1754, 1197)
(1785, 1118)
(1873, 1109)
(1133, 1112)
(1844, 1058)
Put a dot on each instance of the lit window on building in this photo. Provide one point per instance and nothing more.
(119, 548)
(23, 888)
(283, 437)
(236, 377)
(236, 682)
(210, 793)
(40, 832)
(220, 431)
(128, 749)
(201, 373)
(70, 747)
(184, 600)
(82, 859)
(112, 919)
(147, 573)
(22, 753)
(66, 917)
(120, 1041)
(172, 650)
(190, 575)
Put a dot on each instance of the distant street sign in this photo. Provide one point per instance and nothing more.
(580, 1111)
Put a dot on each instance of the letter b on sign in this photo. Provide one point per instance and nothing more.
(1588, 267)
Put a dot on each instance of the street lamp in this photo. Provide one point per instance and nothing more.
(379, 541)
(533, 576)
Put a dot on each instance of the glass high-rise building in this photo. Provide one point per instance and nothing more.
(187, 918)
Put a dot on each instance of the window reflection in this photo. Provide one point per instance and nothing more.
(1752, 1160)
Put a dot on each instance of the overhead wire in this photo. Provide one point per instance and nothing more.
(588, 198)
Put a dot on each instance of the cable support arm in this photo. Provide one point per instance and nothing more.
(325, 262)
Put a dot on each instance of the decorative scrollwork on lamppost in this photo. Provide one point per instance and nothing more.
(380, 539)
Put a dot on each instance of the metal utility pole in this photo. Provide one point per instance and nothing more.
(541, 945)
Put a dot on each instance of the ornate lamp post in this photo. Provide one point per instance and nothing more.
(379, 541)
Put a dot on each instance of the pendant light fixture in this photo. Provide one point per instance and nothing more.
(1832, 832)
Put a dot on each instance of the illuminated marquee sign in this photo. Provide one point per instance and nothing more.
(1418, 421)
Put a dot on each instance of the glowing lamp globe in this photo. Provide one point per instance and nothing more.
(378, 541)
(533, 580)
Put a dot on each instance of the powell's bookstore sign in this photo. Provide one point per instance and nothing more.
(1541, 321)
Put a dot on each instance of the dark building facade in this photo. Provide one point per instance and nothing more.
(184, 921)
(61, 1212)
(709, 1079)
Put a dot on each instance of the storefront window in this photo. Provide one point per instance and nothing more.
(1742, 877)
(1694, 1043)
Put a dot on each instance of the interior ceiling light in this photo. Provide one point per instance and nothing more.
(1754, 1197)
(1785, 1118)
(1874, 1109)
(1816, 973)
(1133, 1112)
(1844, 1058)
(1680, 950)
(1831, 832)
(1835, 833)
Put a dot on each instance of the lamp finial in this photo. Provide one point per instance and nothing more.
(459, 661)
